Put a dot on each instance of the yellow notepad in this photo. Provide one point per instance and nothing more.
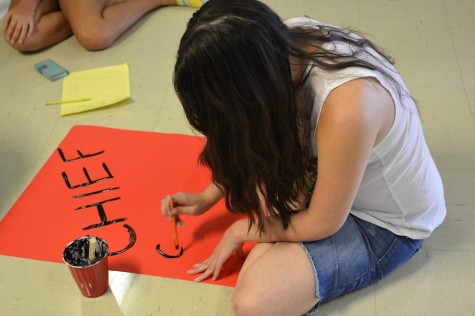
(100, 87)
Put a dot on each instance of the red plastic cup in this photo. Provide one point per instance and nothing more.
(91, 276)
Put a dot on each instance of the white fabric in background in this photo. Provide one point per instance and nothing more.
(4, 4)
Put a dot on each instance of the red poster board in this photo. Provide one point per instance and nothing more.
(135, 170)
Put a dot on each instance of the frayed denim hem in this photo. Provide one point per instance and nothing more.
(315, 308)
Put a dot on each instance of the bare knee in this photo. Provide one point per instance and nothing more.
(245, 303)
(28, 46)
(94, 39)
(249, 303)
(265, 288)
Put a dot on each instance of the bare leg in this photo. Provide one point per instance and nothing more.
(51, 27)
(98, 23)
(277, 279)
(258, 250)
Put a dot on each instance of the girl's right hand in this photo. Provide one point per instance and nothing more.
(185, 203)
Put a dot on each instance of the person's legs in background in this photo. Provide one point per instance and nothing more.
(98, 23)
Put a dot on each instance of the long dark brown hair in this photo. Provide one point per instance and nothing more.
(233, 78)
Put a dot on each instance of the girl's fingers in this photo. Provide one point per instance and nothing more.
(23, 33)
(166, 211)
(11, 30)
(163, 208)
(6, 22)
(15, 34)
(198, 268)
(179, 222)
(206, 269)
(31, 28)
(203, 276)
(216, 271)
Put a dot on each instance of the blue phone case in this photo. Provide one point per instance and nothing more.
(51, 70)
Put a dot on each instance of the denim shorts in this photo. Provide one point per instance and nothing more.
(358, 255)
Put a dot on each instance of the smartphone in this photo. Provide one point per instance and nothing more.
(51, 70)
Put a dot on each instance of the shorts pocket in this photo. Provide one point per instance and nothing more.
(401, 250)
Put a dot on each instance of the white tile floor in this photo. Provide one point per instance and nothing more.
(434, 46)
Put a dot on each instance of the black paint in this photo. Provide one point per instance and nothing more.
(95, 192)
(90, 181)
(81, 155)
(166, 255)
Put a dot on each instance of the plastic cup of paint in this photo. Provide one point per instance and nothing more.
(87, 259)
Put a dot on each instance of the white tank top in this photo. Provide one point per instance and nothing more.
(401, 189)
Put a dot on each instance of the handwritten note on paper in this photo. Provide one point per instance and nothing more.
(104, 86)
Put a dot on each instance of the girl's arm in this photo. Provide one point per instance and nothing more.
(355, 117)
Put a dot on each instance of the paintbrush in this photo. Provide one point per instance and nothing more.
(175, 232)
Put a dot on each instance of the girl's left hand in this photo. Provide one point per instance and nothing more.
(212, 266)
